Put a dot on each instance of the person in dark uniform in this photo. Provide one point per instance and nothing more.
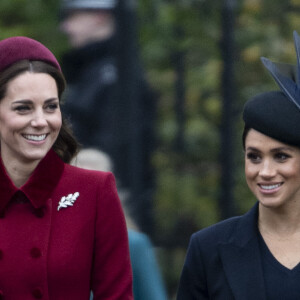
(257, 255)
(96, 102)
(62, 229)
(91, 71)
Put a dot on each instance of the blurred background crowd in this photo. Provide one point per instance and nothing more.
(159, 86)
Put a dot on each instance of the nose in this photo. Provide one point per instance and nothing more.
(267, 169)
(39, 119)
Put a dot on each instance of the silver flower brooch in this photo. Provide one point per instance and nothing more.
(66, 201)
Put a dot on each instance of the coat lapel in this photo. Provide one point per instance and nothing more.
(242, 261)
(39, 186)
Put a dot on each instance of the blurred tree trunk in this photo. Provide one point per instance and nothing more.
(179, 58)
(132, 94)
(226, 201)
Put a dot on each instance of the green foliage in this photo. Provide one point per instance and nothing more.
(188, 179)
(34, 18)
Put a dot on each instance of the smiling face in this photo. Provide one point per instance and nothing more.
(30, 117)
(272, 170)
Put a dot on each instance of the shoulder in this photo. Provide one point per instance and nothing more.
(76, 174)
(237, 229)
(217, 233)
(86, 172)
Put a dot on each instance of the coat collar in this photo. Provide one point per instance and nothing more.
(246, 228)
(241, 259)
(39, 186)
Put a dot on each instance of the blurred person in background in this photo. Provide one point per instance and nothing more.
(147, 280)
(257, 255)
(97, 104)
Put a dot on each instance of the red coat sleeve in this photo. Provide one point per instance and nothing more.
(111, 272)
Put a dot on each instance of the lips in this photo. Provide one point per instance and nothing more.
(35, 137)
(270, 188)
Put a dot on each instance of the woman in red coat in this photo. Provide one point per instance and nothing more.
(62, 229)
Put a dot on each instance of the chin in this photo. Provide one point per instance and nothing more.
(271, 203)
(36, 155)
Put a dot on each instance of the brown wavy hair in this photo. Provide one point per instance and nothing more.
(66, 146)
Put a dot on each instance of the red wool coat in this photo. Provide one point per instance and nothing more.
(62, 252)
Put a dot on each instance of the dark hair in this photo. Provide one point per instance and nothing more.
(245, 133)
(65, 145)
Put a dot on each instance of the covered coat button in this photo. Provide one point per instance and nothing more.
(35, 252)
(40, 212)
(37, 293)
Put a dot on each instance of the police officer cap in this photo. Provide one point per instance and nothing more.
(277, 113)
(89, 4)
(18, 48)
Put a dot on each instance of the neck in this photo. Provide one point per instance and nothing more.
(18, 172)
(280, 222)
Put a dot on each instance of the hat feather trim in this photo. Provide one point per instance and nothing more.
(287, 76)
(297, 47)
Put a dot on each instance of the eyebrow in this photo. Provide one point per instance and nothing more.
(27, 101)
(278, 149)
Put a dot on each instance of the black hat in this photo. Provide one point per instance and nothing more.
(277, 114)
(89, 4)
(274, 115)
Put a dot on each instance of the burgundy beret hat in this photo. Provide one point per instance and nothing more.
(18, 48)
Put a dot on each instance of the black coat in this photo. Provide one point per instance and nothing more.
(224, 262)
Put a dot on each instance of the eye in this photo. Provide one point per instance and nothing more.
(253, 157)
(52, 106)
(22, 108)
(281, 156)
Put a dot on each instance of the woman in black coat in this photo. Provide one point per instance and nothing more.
(256, 256)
